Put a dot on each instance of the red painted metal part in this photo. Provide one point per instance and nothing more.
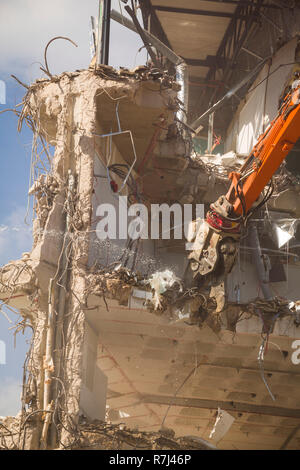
(218, 222)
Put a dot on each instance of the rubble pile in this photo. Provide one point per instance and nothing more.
(116, 284)
(284, 179)
(142, 73)
(98, 435)
(219, 165)
(9, 433)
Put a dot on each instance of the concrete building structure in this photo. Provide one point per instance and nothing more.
(118, 336)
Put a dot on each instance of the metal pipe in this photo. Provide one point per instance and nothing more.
(93, 42)
(182, 77)
(55, 326)
(47, 422)
(252, 53)
(210, 132)
(48, 360)
(62, 282)
(262, 272)
(100, 33)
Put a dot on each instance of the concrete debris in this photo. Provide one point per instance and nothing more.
(269, 311)
(228, 160)
(97, 435)
(142, 73)
(219, 164)
(19, 288)
(12, 435)
(285, 180)
(17, 276)
(276, 305)
(117, 284)
(177, 303)
(181, 304)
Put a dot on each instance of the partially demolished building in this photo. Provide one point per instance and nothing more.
(123, 347)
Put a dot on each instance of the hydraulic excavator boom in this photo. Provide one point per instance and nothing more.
(217, 239)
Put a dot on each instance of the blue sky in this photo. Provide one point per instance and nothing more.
(26, 27)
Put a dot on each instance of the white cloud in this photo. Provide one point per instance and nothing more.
(27, 26)
(10, 393)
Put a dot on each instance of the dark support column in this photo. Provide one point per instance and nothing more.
(106, 32)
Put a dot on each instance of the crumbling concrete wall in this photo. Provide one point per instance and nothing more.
(65, 112)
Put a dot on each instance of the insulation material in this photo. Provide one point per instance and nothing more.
(160, 282)
(222, 425)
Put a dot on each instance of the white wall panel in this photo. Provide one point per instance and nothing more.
(251, 116)
(261, 105)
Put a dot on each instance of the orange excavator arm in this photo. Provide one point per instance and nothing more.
(271, 149)
(217, 240)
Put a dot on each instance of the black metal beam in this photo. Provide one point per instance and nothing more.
(191, 11)
(241, 2)
(197, 62)
(234, 39)
(106, 32)
(241, 37)
(225, 405)
(210, 61)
